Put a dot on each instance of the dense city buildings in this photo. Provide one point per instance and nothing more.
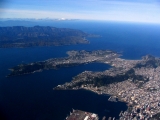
(82, 115)
(136, 82)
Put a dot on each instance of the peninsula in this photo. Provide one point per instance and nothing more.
(136, 82)
(20, 36)
(74, 58)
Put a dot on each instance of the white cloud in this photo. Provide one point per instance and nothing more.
(33, 13)
(118, 11)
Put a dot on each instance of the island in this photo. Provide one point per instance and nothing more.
(20, 36)
(136, 82)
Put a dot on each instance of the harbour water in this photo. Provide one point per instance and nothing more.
(31, 97)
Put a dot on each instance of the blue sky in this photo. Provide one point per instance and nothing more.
(109, 10)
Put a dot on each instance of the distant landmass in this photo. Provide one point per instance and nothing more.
(20, 36)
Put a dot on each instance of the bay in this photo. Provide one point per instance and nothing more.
(31, 97)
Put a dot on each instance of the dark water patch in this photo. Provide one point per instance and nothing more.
(32, 96)
(91, 102)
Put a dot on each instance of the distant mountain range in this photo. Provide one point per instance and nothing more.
(20, 36)
(30, 22)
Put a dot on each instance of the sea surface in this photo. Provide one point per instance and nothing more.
(31, 97)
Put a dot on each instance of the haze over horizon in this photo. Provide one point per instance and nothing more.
(145, 11)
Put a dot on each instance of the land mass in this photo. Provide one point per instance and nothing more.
(136, 82)
(20, 36)
(82, 115)
(74, 58)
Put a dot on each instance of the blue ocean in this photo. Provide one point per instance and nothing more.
(31, 97)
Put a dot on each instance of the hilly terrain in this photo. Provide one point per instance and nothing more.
(20, 36)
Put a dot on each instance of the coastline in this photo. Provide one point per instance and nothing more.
(21, 87)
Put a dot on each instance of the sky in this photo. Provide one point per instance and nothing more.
(147, 11)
